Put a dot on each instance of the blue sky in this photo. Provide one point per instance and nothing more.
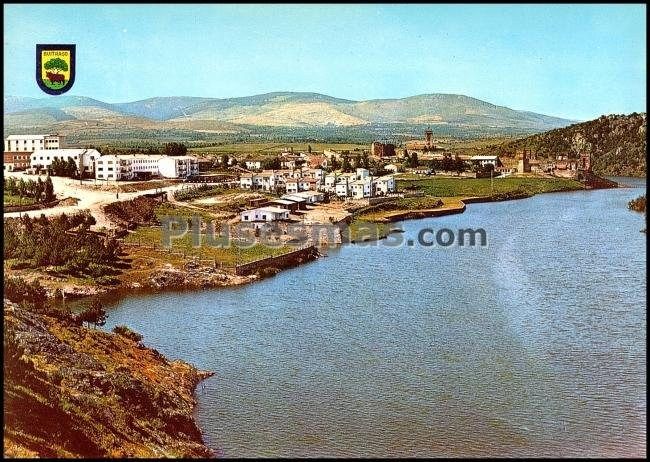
(574, 61)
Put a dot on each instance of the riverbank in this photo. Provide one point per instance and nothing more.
(72, 391)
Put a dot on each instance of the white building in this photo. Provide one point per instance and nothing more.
(383, 185)
(268, 180)
(265, 214)
(43, 158)
(391, 168)
(253, 164)
(178, 166)
(311, 197)
(292, 185)
(31, 143)
(485, 160)
(127, 166)
(360, 188)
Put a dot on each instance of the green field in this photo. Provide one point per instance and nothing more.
(10, 199)
(227, 256)
(471, 187)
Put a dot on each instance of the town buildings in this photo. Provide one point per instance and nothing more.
(18, 149)
(84, 158)
(178, 166)
(268, 213)
(144, 166)
(30, 143)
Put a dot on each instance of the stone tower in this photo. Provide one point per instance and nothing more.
(428, 139)
(524, 163)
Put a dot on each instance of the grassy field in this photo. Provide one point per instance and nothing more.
(274, 148)
(483, 187)
(9, 199)
(227, 256)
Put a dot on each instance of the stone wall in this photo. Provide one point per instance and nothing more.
(281, 261)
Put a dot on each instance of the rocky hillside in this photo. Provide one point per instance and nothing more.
(78, 392)
(617, 144)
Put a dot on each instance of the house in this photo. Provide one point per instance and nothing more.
(43, 158)
(246, 180)
(178, 166)
(265, 214)
(383, 185)
(391, 168)
(127, 166)
(253, 164)
(318, 161)
(301, 201)
(360, 188)
(292, 185)
(16, 161)
(486, 160)
(312, 197)
(291, 206)
(330, 181)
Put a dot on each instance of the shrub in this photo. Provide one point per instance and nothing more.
(128, 333)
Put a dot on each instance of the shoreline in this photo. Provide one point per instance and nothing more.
(189, 275)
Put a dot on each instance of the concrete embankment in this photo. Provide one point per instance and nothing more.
(272, 265)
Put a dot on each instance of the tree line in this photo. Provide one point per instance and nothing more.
(64, 242)
(39, 190)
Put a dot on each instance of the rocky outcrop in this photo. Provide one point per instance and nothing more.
(78, 392)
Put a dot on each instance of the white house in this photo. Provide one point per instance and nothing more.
(292, 185)
(312, 197)
(361, 188)
(31, 143)
(43, 158)
(178, 166)
(391, 168)
(253, 164)
(485, 160)
(265, 214)
(127, 166)
(246, 181)
(383, 185)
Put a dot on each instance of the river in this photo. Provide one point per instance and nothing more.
(534, 345)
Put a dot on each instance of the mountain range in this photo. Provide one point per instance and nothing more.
(288, 110)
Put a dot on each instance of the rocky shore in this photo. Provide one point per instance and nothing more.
(73, 391)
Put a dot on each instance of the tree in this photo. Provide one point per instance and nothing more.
(271, 164)
(414, 160)
(71, 168)
(224, 160)
(174, 149)
(346, 167)
(49, 190)
(56, 64)
(309, 148)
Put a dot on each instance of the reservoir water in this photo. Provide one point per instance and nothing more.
(534, 345)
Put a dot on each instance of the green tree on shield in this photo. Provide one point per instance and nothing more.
(56, 65)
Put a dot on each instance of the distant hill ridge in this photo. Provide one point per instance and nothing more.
(291, 109)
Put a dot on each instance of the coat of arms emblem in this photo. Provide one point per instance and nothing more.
(55, 68)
